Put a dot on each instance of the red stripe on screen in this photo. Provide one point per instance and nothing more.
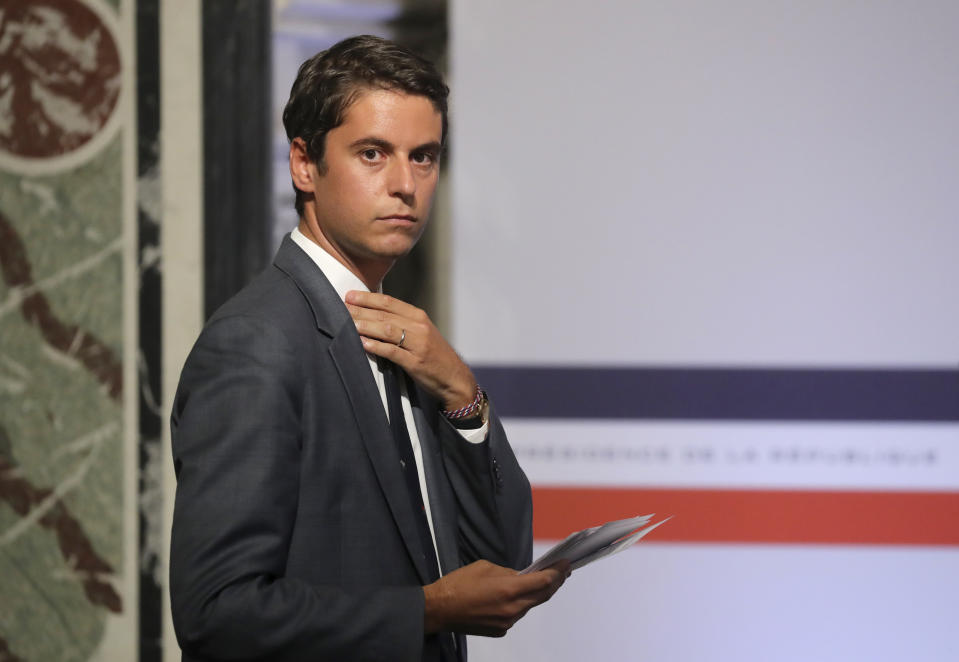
(756, 516)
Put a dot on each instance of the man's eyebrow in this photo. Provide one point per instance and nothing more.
(432, 147)
(370, 141)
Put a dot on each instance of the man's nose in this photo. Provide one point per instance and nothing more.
(402, 181)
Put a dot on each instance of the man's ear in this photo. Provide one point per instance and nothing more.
(301, 166)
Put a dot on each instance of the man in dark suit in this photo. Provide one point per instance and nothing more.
(345, 489)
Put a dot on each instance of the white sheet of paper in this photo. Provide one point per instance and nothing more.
(583, 547)
(617, 546)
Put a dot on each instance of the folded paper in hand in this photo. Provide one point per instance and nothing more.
(588, 545)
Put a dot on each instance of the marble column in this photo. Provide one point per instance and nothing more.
(69, 550)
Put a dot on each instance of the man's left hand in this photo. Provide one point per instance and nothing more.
(384, 321)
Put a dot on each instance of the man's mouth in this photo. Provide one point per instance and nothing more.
(399, 217)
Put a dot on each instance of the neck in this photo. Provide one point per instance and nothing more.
(371, 272)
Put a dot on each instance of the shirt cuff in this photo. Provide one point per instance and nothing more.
(476, 435)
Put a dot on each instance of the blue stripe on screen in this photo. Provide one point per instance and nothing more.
(797, 394)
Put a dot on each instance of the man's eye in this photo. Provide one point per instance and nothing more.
(423, 159)
(371, 154)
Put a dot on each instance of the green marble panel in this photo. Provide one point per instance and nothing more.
(62, 538)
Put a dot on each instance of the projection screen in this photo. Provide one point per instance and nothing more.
(704, 259)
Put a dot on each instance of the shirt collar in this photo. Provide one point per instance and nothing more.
(342, 279)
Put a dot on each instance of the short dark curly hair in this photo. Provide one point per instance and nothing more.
(329, 82)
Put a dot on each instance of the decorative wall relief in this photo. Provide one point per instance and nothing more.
(60, 82)
(64, 536)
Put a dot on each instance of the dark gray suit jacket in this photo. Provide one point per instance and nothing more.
(293, 535)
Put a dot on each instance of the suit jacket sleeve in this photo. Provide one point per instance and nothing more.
(494, 507)
(236, 445)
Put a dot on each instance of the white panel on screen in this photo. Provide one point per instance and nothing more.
(696, 182)
(669, 603)
(755, 455)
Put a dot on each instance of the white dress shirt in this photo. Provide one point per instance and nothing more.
(344, 280)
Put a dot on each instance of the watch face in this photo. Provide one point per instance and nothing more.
(482, 414)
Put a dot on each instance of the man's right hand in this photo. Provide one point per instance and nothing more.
(486, 599)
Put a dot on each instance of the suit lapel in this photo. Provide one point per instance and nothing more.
(350, 360)
(349, 357)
